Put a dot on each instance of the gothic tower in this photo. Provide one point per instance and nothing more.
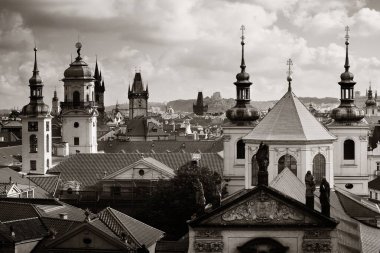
(242, 119)
(371, 103)
(36, 128)
(79, 113)
(99, 91)
(199, 108)
(138, 98)
(55, 107)
(350, 149)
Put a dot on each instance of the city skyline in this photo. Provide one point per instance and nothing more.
(183, 47)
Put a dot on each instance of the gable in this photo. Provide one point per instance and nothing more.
(264, 207)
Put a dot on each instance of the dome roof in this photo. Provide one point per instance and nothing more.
(242, 76)
(347, 76)
(370, 102)
(35, 109)
(246, 113)
(78, 70)
(347, 113)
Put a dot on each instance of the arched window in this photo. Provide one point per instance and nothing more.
(88, 98)
(255, 170)
(33, 143)
(240, 150)
(319, 168)
(349, 150)
(287, 161)
(47, 143)
(76, 98)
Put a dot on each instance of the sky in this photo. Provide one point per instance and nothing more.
(182, 47)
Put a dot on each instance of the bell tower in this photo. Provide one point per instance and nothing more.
(242, 119)
(138, 98)
(79, 111)
(36, 128)
(350, 149)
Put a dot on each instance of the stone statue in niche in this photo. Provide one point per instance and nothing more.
(200, 199)
(310, 188)
(324, 197)
(262, 158)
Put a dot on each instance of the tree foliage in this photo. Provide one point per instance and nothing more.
(173, 202)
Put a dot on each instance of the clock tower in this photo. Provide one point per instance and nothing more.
(138, 98)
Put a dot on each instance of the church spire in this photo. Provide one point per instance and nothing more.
(35, 79)
(242, 65)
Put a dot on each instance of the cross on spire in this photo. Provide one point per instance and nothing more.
(289, 62)
(347, 29)
(242, 28)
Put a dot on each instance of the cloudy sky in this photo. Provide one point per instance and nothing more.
(183, 47)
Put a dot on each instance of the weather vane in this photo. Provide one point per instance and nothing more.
(347, 29)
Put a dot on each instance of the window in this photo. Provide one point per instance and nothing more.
(76, 124)
(47, 163)
(370, 194)
(47, 143)
(33, 165)
(319, 168)
(287, 161)
(378, 166)
(115, 190)
(240, 150)
(76, 141)
(349, 150)
(375, 195)
(76, 98)
(88, 98)
(255, 170)
(47, 126)
(33, 143)
(32, 126)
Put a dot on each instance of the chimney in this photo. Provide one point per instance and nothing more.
(195, 158)
(63, 216)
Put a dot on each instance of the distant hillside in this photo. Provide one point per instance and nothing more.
(222, 104)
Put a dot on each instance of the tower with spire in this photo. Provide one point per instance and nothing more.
(371, 103)
(99, 91)
(350, 149)
(79, 110)
(55, 104)
(138, 98)
(36, 128)
(242, 119)
(199, 108)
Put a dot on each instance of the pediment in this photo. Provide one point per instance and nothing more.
(263, 207)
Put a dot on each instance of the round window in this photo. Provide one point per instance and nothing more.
(76, 124)
(87, 240)
(349, 186)
(141, 172)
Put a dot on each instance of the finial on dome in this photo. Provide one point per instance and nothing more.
(78, 45)
(242, 65)
(289, 62)
(347, 63)
(35, 69)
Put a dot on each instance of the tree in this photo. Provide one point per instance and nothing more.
(173, 202)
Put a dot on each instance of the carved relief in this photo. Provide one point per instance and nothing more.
(316, 234)
(320, 246)
(295, 152)
(208, 246)
(208, 233)
(226, 138)
(363, 137)
(321, 150)
(263, 210)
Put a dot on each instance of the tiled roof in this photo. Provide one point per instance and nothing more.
(88, 169)
(180, 246)
(6, 173)
(374, 184)
(53, 211)
(289, 120)
(26, 229)
(47, 182)
(143, 233)
(59, 225)
(16, 211)
(115, 146)
(370, 239)
(7, 153)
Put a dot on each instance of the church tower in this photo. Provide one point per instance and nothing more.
(242, 119)
(79, 113)
(371, 103)
(138, 98)
(199, 108)
(350, 149)
(99, 91)
(55, 105)
(36, 128)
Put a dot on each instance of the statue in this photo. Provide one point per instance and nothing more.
(217, 191)
(200, 199)
(325, 197)
(262, 158)
(310, 188)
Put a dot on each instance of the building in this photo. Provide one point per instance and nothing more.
(36, 128)
(351, 130)
(79, 111)
(242, 119)
(138, 98)
(371, 103)
(55, 105)
(199, 108)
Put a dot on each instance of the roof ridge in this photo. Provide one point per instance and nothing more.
(293, 96)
